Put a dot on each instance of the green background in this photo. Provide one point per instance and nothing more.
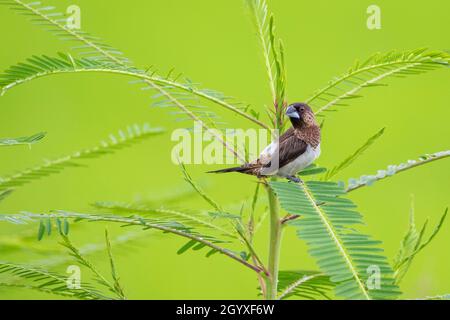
(214, 43)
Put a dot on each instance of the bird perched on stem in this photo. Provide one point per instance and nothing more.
(293, 151)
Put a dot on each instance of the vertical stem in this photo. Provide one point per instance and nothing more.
(274, 245)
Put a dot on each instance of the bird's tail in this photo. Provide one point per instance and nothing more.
(227, 170)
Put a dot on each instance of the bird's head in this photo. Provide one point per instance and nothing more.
(300, 115)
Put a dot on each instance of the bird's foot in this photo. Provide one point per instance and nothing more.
(294, 179)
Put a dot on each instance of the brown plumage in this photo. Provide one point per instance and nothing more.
(298, 147)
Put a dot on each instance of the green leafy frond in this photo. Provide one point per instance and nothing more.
(25, 241)
(236, 222)
(311, 170)
(100, 52)
(261, 19)
(168, 93)
(355, 155)
(309, 285)
(34, 288)
(412, 243)
(273, 54)
(49, 281)
(4, 194)
(197, 240)
(196, 220)
(123, 139)
(347, 256)
(198, 189)
(117, 286)
(248, 218)
(368, 180)
(408, 245)
(251, 225)
(29, 140)
(43, 66)
(280, 76)
(75, 253)
(51, 256)
(191, 96)
(54, 258)
(57, 23)
(369, 73)
(226, 224)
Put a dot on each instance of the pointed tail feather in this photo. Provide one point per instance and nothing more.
(235, 169)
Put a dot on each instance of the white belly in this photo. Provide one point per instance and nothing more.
(301, 162)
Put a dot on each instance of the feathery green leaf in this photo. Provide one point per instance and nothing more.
(355, 155)
(35, 288)
(75, 253)
(312, 169)
(368, 180)
(174, 228)
(49, 281)
(343, 253)
(106, 53)
(56, 23)
(199, 221)
(127, 240)
(261, 19)
(29, 140)
(43, 66)
(412, 244)
(408, 245)
(124, 139)
(369, 73)
(198, 189)
(4, 194)
(273, 54)
(309, 285)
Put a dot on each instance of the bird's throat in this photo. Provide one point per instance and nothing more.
(296, 123)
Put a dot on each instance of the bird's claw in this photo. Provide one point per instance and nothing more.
(294, 179)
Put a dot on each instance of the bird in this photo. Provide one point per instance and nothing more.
(295, 150)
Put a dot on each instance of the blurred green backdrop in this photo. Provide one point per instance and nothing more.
(214, 43)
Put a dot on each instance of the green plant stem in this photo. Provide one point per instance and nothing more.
(274, 245)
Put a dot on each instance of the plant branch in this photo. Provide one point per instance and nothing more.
(80, 37)
(135, 73)
(81, 259)
(196, 119)
(274, 245)
(192, 219)
(382, 174)
(136, 221)
(252, 251)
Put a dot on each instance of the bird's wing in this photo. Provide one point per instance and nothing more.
(288, 148)
(289, 132)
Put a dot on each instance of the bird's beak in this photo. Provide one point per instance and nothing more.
(292, 113)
